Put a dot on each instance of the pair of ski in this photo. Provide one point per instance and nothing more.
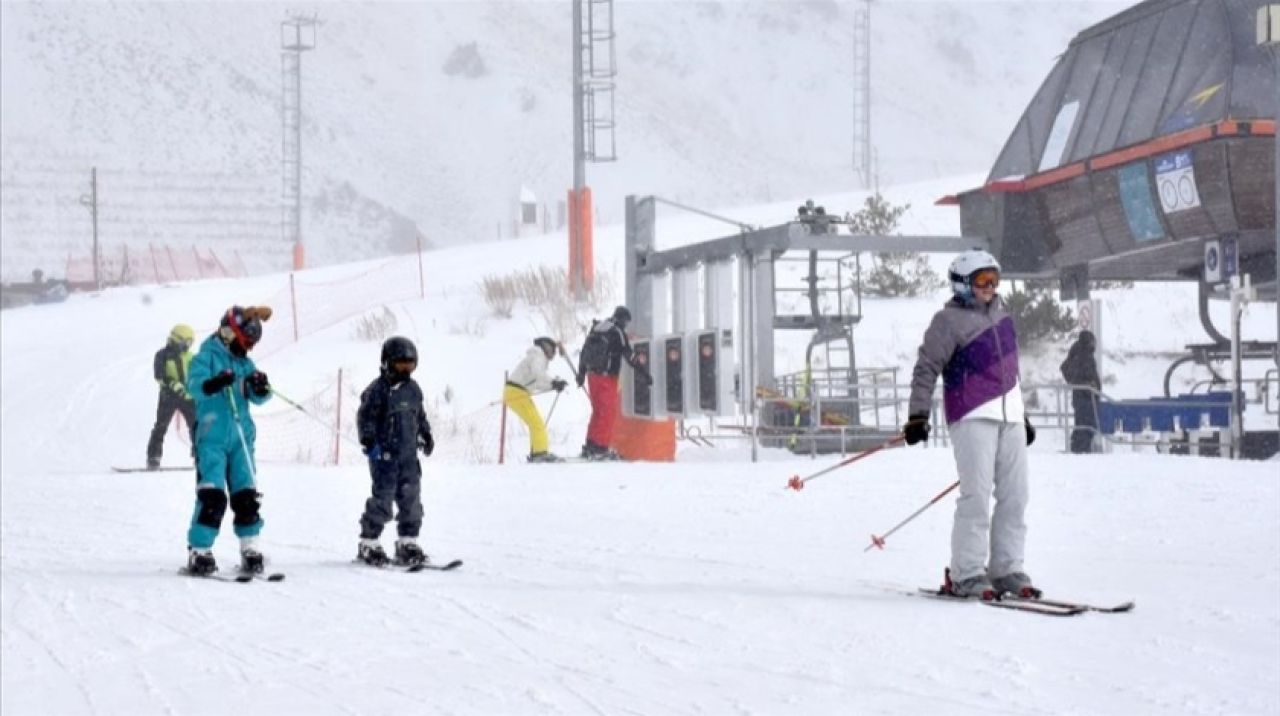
(240, 577)
(1047, 607)
(416, 567)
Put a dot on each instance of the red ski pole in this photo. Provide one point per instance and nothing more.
(879, 541)
(797, 483)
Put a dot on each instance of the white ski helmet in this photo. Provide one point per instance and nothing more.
(964, 266)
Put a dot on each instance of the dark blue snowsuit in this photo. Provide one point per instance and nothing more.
(393, 426)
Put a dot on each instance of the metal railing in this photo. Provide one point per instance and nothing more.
(827, 408)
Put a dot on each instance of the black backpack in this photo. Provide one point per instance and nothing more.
(595, 351)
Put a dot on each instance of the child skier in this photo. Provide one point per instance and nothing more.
(528, 379)
(170, 367)
(971, 342)
(393, 427)
(603, 353)
(224, 381)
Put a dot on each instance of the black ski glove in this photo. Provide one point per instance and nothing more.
(558, 385)
(257, 383)
(582, 378)
(218, 382)
(426, 443)
(917, 429)
(1031, 432)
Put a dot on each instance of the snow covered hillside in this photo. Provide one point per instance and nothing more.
(700, 586)
(431, 116)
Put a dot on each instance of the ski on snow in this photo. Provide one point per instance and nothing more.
(174, 468)
(420, 567)
(1048, 607)
(239, 577)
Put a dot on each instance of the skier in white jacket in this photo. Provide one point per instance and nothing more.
(528, 379)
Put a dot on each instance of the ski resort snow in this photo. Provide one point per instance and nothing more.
(698, 586)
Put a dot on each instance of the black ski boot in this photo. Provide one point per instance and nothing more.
(371, 552)
(251, 561)
(408, 552)
(200, 562)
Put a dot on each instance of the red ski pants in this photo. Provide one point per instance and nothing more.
(605, 406)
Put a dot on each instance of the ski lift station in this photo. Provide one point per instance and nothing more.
(1148, 154)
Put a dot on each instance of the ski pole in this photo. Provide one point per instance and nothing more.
(879, 541)
(572, 368)
(308, 413)
(797, 483)
(244, 444)
(552, 411)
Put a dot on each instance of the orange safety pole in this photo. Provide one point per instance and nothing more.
(502, 425)
(585, 250)
(575, 260)
(422, 283)
(337, 423)
(293, 303)
(173, 265)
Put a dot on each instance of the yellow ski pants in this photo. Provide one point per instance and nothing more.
(521, 403)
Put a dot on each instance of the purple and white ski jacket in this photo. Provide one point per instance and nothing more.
(975, 349)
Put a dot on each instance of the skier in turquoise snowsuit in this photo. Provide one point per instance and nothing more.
(224, 381)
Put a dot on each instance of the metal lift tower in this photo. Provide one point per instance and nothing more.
(594, 68)
(862, 93)
(297, 35)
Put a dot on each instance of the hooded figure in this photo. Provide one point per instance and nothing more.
(1081, 369)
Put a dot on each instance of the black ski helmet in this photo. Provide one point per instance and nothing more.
(621, 315)
(546, 344)
(397, 349)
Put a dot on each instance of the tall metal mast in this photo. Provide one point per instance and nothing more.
(297, 35)
(862, 160)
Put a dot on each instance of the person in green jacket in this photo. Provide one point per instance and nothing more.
(170, 368)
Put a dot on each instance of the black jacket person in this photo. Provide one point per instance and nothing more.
(1081, 369)
(170, 370)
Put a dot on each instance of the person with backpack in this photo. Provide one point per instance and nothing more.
(529, 378)
(605, 349)
(170, 367)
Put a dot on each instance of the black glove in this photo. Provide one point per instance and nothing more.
(917, 429)
(1031, 432)
(558, 385)
(218, 382)
(257, 383)
(582, 378)
(426, 443)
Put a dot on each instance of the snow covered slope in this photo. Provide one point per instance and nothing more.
(701, 586)
(431, 116)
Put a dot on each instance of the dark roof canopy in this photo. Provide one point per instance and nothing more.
(1158, 68)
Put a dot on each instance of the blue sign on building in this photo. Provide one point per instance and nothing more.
(1135, 197)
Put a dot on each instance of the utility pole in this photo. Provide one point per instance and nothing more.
(297, 35)
(90, 201)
